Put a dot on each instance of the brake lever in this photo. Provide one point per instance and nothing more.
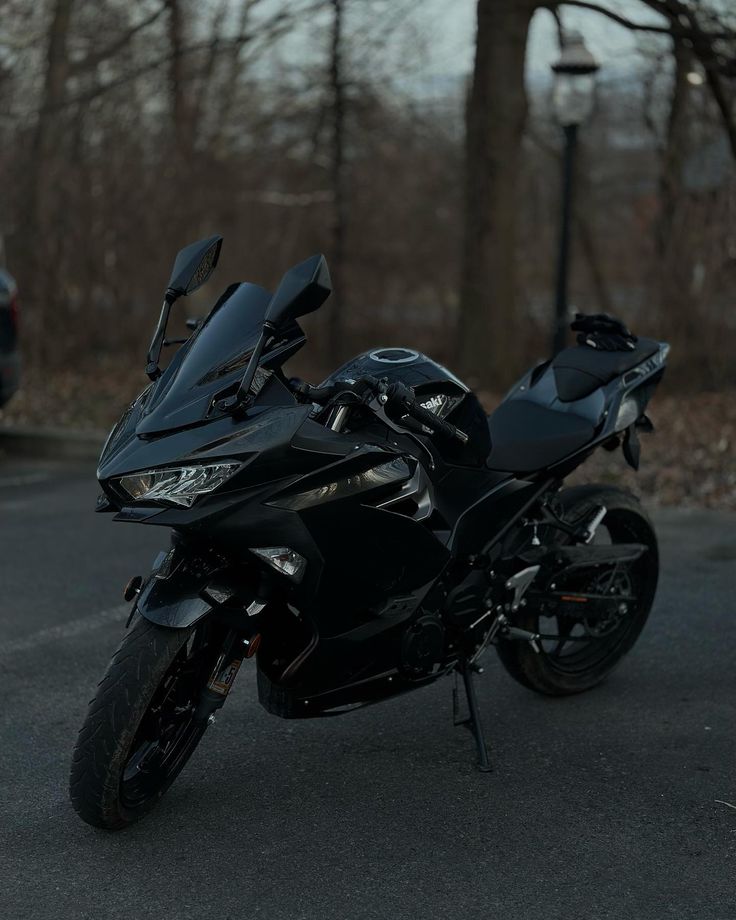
(377, 406)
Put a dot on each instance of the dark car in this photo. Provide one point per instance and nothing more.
(9, 356)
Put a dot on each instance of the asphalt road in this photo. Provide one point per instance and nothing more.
(600, 806)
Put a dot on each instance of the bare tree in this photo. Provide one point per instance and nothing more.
(128, 129)
(489, 321)
(335, 336)
(42, 178)
(489, 345)
(179, 104)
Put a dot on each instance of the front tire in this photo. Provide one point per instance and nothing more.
(559, 674)
(139, 731)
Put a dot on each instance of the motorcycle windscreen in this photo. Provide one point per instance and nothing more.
(211, 362)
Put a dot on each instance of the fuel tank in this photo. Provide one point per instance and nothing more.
(410, 367)
(437, 389)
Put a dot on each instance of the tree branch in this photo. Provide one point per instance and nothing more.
(554, 10)
(684, 22)
(675, 28)
(92, 60)
(702, 41)
(275, 28)
(722, 101)
(617, 17)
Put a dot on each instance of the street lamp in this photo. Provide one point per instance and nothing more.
(573, 97)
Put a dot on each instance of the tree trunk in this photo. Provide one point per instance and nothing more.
(674, 154)
(38, 254)
(177, 99)
(697, 25)
(335, 333)
(490, 348)
(232, 66)
(673, 239)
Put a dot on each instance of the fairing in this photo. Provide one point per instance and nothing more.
(275, 419)
(209, 366)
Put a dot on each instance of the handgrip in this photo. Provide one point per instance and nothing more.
(400, 394)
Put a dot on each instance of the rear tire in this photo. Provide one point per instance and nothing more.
(626, 522)
(111, 735)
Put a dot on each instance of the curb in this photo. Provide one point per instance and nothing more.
(51, 443)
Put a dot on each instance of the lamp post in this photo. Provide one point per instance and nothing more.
(573, 97)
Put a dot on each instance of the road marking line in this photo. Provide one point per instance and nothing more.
(15, 505)
(64, 630)
(26, 479)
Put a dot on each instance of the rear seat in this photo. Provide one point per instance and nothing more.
(580, 370)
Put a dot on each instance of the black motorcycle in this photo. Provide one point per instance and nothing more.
(358, 539)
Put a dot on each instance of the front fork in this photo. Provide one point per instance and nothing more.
(222, 677)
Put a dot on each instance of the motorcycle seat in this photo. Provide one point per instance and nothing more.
(580, 370)
(526, 437)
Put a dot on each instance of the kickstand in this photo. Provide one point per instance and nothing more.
(473, 722)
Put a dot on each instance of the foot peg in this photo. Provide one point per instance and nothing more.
(523, 635)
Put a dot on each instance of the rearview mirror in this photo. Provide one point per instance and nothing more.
(193, 265)
(303, 289)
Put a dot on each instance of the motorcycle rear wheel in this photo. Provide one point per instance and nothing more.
(139, 731)
(555, 671)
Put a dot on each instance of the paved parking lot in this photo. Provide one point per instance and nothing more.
(610, 805)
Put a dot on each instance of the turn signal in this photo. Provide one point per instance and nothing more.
(283, 559)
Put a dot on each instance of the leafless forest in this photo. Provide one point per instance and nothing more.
(131, 128)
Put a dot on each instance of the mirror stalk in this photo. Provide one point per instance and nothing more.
(303, 289)
(192, 267)
(242, 397)
(154, 352)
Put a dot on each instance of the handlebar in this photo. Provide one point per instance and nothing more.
(400, 397)
(396, 398)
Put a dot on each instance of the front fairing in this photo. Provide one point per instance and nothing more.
(176, 422)
(210, 365)
(177, 417)
(276, 439)
(268, 425)
(279, 447)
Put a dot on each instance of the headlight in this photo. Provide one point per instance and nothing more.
(386, 473)
(180, 485)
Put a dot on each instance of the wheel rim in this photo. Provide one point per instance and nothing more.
(168, 733)
(581, 644)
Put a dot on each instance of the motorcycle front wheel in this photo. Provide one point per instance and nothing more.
(580, 652)
(140, 728)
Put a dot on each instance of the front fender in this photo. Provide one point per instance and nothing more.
(186, 585)
(172, 594)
